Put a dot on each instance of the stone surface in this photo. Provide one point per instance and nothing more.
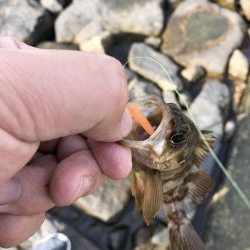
(153, 41)
(55, 45)
(227, 3)
(169, 97)
(229, 220)
(238, 65)
(52, 225)
(54, 6)
(239, 89)
(97, 44)
(153, 67)
(202, 33)
(144, 17)
(141, 17)
(193, 73)
(210, 107)
(107, 201)
(77, 16)
(161, 236)
(140, 87)
(245, 5)
(30, 28)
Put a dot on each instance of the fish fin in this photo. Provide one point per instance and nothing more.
(153, 195)
(137, 188)
(182, 234)
(202, 149)
(199, 184)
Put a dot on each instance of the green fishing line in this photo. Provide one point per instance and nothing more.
(243, 196)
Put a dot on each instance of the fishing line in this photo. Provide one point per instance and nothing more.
(219, 163)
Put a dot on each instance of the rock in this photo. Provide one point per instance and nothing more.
(153, 67)
(153, 41)
(52, 226)
(202, 33)
(141, 17)
(142, 238)
(54, 6)
(184, 99)
(161, 236)
(144, 17)
(244, 108)
(239, 89)
(97, 44)
(193, 73)
(108, 200)
(170, 97)
(229, 222)
(245, 6)
(210, 107)
(238, 65)
(76, 17)
(89, 31)
(55, 45)
(227, 3)
(139, 87)
(30, 28)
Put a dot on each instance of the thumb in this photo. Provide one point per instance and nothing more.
(49, 94)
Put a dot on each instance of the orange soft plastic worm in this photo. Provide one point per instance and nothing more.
(140, 118)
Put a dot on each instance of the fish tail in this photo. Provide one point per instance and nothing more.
(181, 231)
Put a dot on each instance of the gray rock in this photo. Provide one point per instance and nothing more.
(202, 33)
(193, 73)
(239, 89)
(210, 107)
(97, 44)
(54, 6)
(229, 221)
(108, 200)
(55, 45)
(238, 65)
(153, 66)
(143, 17)
(209, 110)
(161, 236)
(139, 87)
(78, 15)
(245, 5)
(169, 97)
(31, 27)
(153, 41)
(52, 225)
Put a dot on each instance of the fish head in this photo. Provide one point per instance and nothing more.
(174, 141)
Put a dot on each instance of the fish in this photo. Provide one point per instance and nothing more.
(166, 168)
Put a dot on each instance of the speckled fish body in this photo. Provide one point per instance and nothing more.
(166, 168)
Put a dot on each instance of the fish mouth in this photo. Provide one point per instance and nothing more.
(157, 113)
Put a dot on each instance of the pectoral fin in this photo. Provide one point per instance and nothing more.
(199, 185)
(153, 195)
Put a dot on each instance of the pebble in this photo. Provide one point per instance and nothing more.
(245, 6)
(238, 65)
(201, 33)
(150, 69)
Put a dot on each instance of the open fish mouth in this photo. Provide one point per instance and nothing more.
(155, 110)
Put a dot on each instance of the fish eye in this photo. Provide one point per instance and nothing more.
(177, 138)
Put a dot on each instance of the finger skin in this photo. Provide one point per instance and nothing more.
(61, 93)
(33, 192)
(15, 229)
(115, 160)
(65, 185)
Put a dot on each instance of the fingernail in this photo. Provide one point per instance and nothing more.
(126, 124)
(85, 185)
(9, 192)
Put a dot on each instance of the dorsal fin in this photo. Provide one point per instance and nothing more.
(202, 150)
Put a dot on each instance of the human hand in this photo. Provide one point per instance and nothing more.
(60, 114)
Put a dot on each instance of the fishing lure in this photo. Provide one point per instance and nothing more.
(166, 167)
